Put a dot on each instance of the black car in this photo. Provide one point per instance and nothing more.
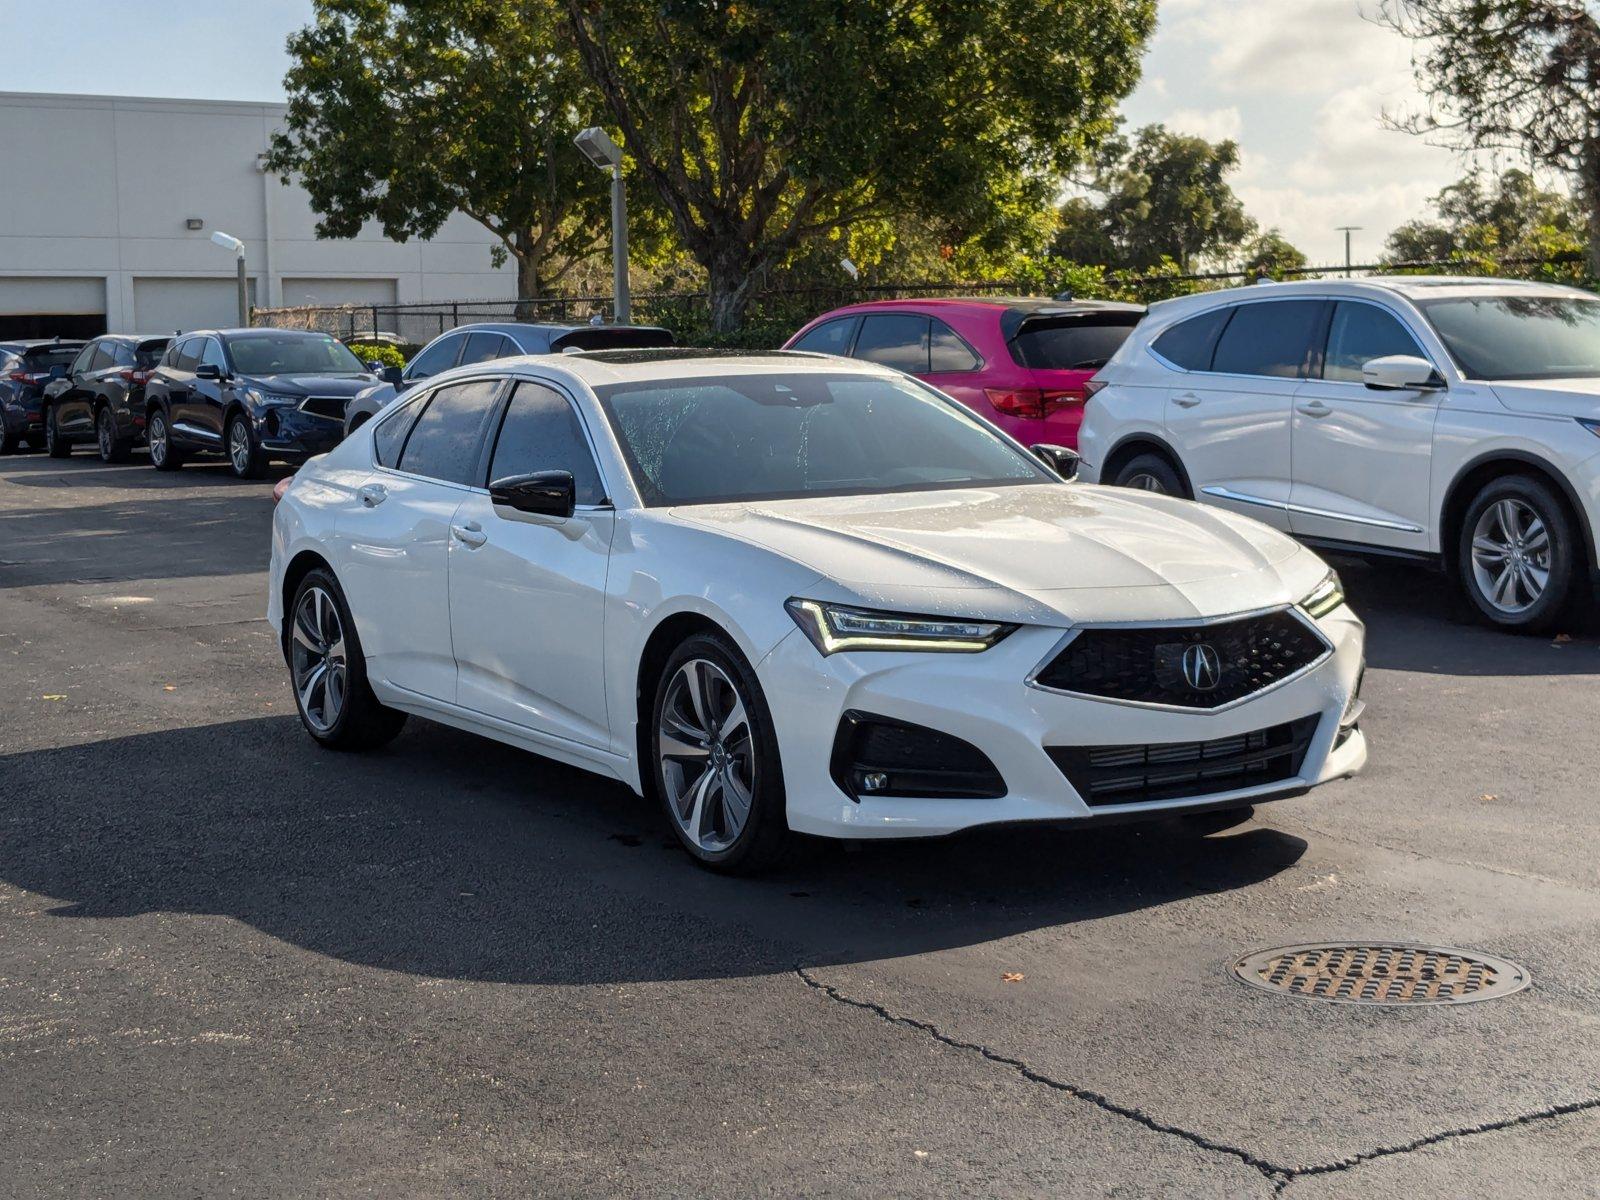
(256, 395)
(25, 369)
(101, 399)
(479, 343)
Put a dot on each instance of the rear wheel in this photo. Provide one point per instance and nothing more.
(9, 441)
(244, 456)
(55, 445)
(715, 758)
(164, 456)
(1517, 553)
(329, 672)
(113, 449)
(1151, 472)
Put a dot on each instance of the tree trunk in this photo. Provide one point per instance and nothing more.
(1589, 190)
(530, 285)
(730, 283)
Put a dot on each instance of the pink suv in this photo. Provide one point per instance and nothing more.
(1022, 363)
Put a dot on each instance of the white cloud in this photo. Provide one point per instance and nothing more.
(1213, 124)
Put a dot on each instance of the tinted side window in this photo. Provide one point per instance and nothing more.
(831, 337)
(390, 435)
(211, 353)
(188, 356)
(541, 433)
(121, 354)
(104, 356)
(448, 437)
(440, 356)
(84, 360)
(946, 350)
(898, 340)
(1269, 338)
(1189, 344)
(481, 347)
(1359, 333)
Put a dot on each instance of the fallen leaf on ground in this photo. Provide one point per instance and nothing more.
(1488, 797)
(53, 696)
(169, 687)
(1013, 977)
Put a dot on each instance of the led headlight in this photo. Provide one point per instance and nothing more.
(1325, 597)
(271, 399)
(836, 627)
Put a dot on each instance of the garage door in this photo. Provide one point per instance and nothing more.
(167, 304)
(304, 292)
(36, 306)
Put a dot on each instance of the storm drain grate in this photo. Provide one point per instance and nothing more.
(1381, 973)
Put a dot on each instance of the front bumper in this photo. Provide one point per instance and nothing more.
(289, 435)
(984, 700)
(23, 417)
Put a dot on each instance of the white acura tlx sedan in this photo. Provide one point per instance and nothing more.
(796, 593)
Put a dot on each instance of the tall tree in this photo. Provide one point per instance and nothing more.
(1165, 197)
(766, 124)
(1502, 216)
(1270, 253)
(1511, 74)
(410, 110)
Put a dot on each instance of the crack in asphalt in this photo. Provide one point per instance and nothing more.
(1279, 1175)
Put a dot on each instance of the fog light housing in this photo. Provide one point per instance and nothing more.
(879, 756)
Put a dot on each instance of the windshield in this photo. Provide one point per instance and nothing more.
(42, 358)
(1072, 343)
(766, 437)
(1520, 337)
(292, 354)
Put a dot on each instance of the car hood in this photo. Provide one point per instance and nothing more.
(309, 385)
(1030, 553)
(1551, 397)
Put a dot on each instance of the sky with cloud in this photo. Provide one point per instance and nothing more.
(1301, 85)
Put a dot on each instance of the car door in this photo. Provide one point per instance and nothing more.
(178, 376)
(954, 367)
(209, 396)
(439, 355)
(1362, 458)
(1229, 422)
(894, 339)
(72, 397)
(527, 590)
(397, 543)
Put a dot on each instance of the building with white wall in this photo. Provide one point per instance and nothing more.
(108, 203)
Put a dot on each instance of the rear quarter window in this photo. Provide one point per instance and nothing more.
(1190, 344)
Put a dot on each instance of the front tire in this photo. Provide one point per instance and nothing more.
(1517, 554)
(113, 449)
(1151, 472)
(9, 441)
(164, 456)
(714, 758)
(244, 455)
(55, 445)
(328, 671)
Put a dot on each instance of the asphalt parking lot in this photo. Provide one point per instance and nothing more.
(233, 964)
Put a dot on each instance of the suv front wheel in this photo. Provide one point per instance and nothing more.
(1517, 553)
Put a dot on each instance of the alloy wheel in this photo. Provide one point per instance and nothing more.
(318, 665)
(156, 434)
(707, 755)
(239, 447)
(1145, 482)
(106, 435)
(1511, 556)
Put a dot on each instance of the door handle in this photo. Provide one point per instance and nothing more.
(373, 494)
(470, 535)
(1187, 400)
(1314, 408)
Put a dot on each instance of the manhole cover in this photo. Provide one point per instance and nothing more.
(1381, 973)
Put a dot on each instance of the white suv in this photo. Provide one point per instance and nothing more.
(1456, 421)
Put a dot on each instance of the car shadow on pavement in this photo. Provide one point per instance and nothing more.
(450, 856)
(84, 470)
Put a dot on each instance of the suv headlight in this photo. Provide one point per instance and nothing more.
(1325, 597)
(271, 399)
(836, 627)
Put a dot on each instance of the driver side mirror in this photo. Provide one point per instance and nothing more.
(546, 493)
(208, 371)
(1059, 459)
(1401, 373)
(390, 375)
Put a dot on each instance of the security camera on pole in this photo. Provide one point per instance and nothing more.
(599, 149)
(229, 242)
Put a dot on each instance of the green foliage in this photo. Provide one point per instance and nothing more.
(1484, 219)
(380, 352)
(407, 111)
(1164, 196)
(1271, 253)
(767, 125)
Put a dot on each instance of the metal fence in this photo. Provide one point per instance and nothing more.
(776, 312)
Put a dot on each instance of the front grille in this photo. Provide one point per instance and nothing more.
(331, 407)
(1143, 774)
(1236, 658)
(875, 755)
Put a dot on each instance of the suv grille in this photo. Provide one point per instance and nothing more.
(1194, 666)
(331, 407)
(1104, 775)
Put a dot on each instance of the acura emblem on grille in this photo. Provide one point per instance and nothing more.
(1202, 667)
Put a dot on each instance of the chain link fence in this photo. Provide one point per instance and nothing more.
(775, 313)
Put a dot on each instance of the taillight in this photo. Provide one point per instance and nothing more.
(1017, 402)
(23, 377)
(1093, 386)
(282, 486)
(135, 377)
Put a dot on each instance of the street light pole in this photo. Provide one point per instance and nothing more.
(1347, 230)
(600, 150)
(229, 242)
